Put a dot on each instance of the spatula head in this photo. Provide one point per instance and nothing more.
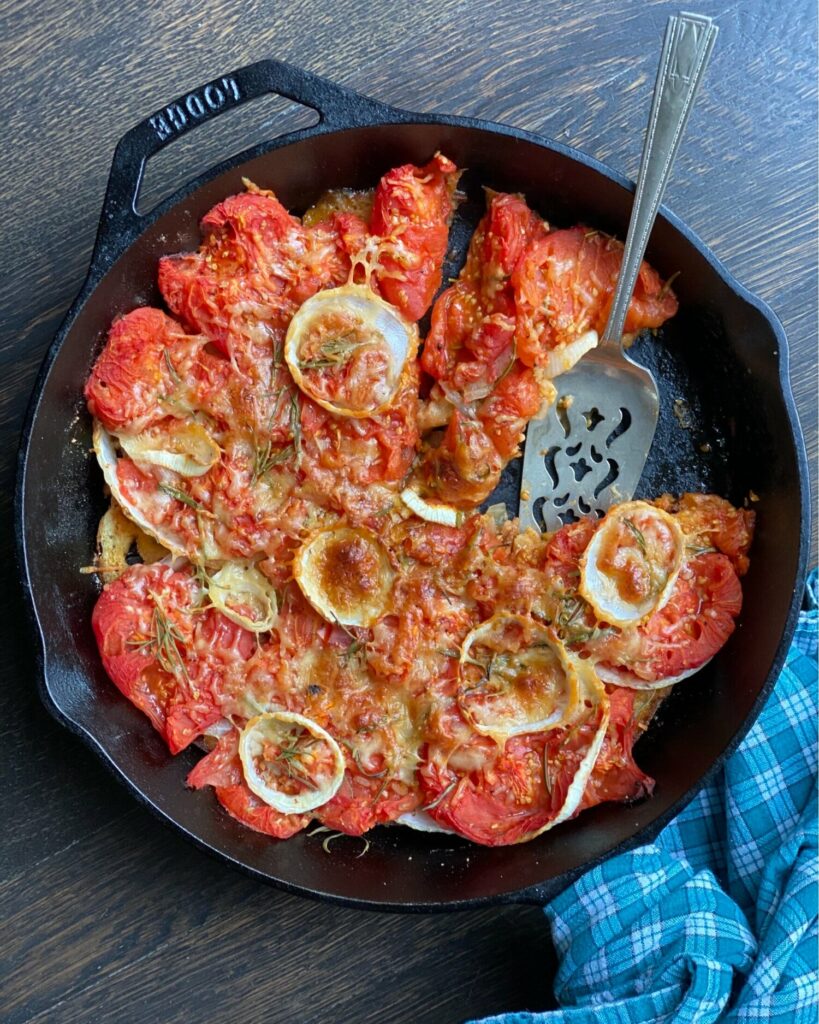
(588, 453)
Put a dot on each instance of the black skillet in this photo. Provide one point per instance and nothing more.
(728, 424)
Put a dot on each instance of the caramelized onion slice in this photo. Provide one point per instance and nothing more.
(290, 762)
(432, 511)
(345, 574)
(631, 563)
(347, 349)
(186, 448)
(244, 595)
(116, 535)
(515, 677)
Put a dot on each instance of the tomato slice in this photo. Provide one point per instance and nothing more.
(688, 630)
(136, 369)
(503, 801)
(564, 286)
(412, 208)
(363, 801)
(464, 468)
(711, 521)
(256, 266)
(162, 657)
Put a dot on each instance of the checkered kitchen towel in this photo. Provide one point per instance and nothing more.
(717, 919)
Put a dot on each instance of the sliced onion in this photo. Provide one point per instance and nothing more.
(116, 535)
(622, 677)
(278, 729)
(241, 585)
(380, 325)
(345, 574)
(186, 448)
(633, 519)
(106, 453)
(596, 695)
(432, 511)
(488, 696)
(562, 359)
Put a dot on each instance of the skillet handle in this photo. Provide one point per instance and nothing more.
(120, 223)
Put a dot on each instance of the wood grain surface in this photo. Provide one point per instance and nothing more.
(109, 916)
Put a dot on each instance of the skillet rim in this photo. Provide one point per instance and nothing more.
(108, 249)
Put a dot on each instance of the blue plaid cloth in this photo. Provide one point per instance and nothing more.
(717, 919)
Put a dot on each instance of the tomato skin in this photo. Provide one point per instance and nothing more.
(362, 802)
(564, 286)
(413, 205)
(131, 373)
(615, 775)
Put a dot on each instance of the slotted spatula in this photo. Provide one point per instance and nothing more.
(589, 451)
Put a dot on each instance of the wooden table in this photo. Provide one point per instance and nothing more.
(109, 916)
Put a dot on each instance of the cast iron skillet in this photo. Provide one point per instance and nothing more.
(724, 356)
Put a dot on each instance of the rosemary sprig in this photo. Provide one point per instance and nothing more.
(265, 458)
(638, 534)
(336, 835)
(667, 286)
(171, 368)
(290, 757)
(163, 640)
(441, 796)
(186, 499)
(334, 352)
(295, 421)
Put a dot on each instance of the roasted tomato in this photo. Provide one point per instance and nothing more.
(615, 775)
(161, 656)
(222, 769)
(682, 635)
(254, 269)
(411, 213)
(138, 368)
(564, 286)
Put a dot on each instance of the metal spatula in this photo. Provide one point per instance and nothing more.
(589, 451)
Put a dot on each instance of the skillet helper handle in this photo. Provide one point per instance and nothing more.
(689, 40)
(336, 107)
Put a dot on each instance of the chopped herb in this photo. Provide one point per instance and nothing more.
(334, 352)
(171, 368)
(186, 499)
(699, 549)
(666, 287)
(162, 640)
(264, 459)
(336, 835)
(638, 535)
(440, 797)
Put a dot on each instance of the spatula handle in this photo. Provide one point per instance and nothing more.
(689, 39)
